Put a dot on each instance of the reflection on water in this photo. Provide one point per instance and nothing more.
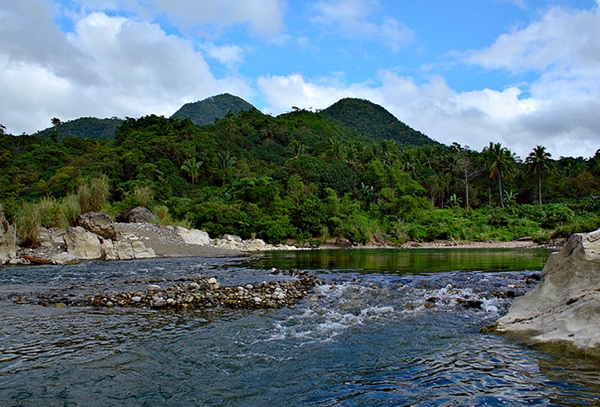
(360, 339)
(413, 261)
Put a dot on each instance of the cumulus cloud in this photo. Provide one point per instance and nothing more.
(352, 19)
(470, 118)
(108, 66)
(265, 17)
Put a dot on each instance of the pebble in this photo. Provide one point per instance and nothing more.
(200, 293)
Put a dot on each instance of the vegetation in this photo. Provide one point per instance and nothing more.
(302, 175)
(207, 111)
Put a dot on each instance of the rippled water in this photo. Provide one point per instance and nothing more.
(361, 339)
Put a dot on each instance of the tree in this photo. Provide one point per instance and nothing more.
(226, 161)
(501, 163)
(537, 162)
(192, 167)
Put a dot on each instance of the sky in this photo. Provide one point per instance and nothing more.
(518, 72)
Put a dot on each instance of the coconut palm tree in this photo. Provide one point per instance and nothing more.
(226, 161)
(192, 167)
(501, 163)
(537, 162)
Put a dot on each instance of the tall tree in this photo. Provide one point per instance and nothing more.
(537, 162)
(192, 167)
(226, 161)
(501, 162)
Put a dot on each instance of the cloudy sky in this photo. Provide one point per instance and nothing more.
(519, 72)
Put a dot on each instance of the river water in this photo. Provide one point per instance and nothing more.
(386, 328)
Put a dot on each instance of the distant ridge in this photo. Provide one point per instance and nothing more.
(207, 111)
(84, 127)
(373, 120)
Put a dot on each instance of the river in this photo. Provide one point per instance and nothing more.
(386, 328)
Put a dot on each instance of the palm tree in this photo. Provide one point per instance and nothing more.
(192, 167)
(298, 149)
(501, 163)
(537, 162)
(226, 161)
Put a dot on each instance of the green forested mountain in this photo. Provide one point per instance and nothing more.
(205, 112)
(372, 120)
(84, 127)
(300, 175)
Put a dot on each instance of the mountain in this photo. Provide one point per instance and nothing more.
(207, 111)
(370, 119)
(84, 127)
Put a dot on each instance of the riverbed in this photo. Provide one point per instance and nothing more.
(384, 327)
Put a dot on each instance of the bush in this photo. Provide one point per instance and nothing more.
(28, 221)
(275, 229)
(93, 194)
(70, 209)
(51, 214)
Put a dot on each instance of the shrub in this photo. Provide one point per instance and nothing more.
(70, 208)
(93, 194)
(51, 214)
(162, 214)
(275, 229)
(27, 219)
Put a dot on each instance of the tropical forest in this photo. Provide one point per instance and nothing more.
(349, 174)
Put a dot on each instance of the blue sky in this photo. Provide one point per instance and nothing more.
(519, 72)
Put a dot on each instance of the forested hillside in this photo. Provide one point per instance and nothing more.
(207, 111)
(84, 127)
(374, 121)
(297, 176)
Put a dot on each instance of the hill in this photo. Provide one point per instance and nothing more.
(84, 127)
(372, 120)
(207, 111)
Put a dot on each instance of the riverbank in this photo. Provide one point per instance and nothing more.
(143, 240)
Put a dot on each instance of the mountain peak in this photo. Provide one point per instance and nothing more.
(207, 111)
(373, 120)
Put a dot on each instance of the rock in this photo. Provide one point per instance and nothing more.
(140, 251)
(141, 214)
(232, 238)
(8, 239)
(83, 244)
(98, 223)
(254, 245)
(565, 306)
(193, 236)
(64, 259)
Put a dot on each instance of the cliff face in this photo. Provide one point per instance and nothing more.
(565, 306)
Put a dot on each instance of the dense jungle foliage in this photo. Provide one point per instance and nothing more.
(300, 176)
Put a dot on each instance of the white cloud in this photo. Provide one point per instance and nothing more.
(108, 66)
(351, 18)
(470, 118)
(265, 17)
(229, 55)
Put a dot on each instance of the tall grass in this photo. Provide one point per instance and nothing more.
(28, 221)
(93, 194)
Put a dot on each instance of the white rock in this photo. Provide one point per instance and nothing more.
(64, 259)
(565, 305)
(193, 236)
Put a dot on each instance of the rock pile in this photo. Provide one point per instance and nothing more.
(197, 293)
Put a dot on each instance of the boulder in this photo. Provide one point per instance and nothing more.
(140, 251)
(141, 215)
(98, 223)
(83, 244)
(8, 240)
(64, 259)
(564, 308)
(193, 236)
